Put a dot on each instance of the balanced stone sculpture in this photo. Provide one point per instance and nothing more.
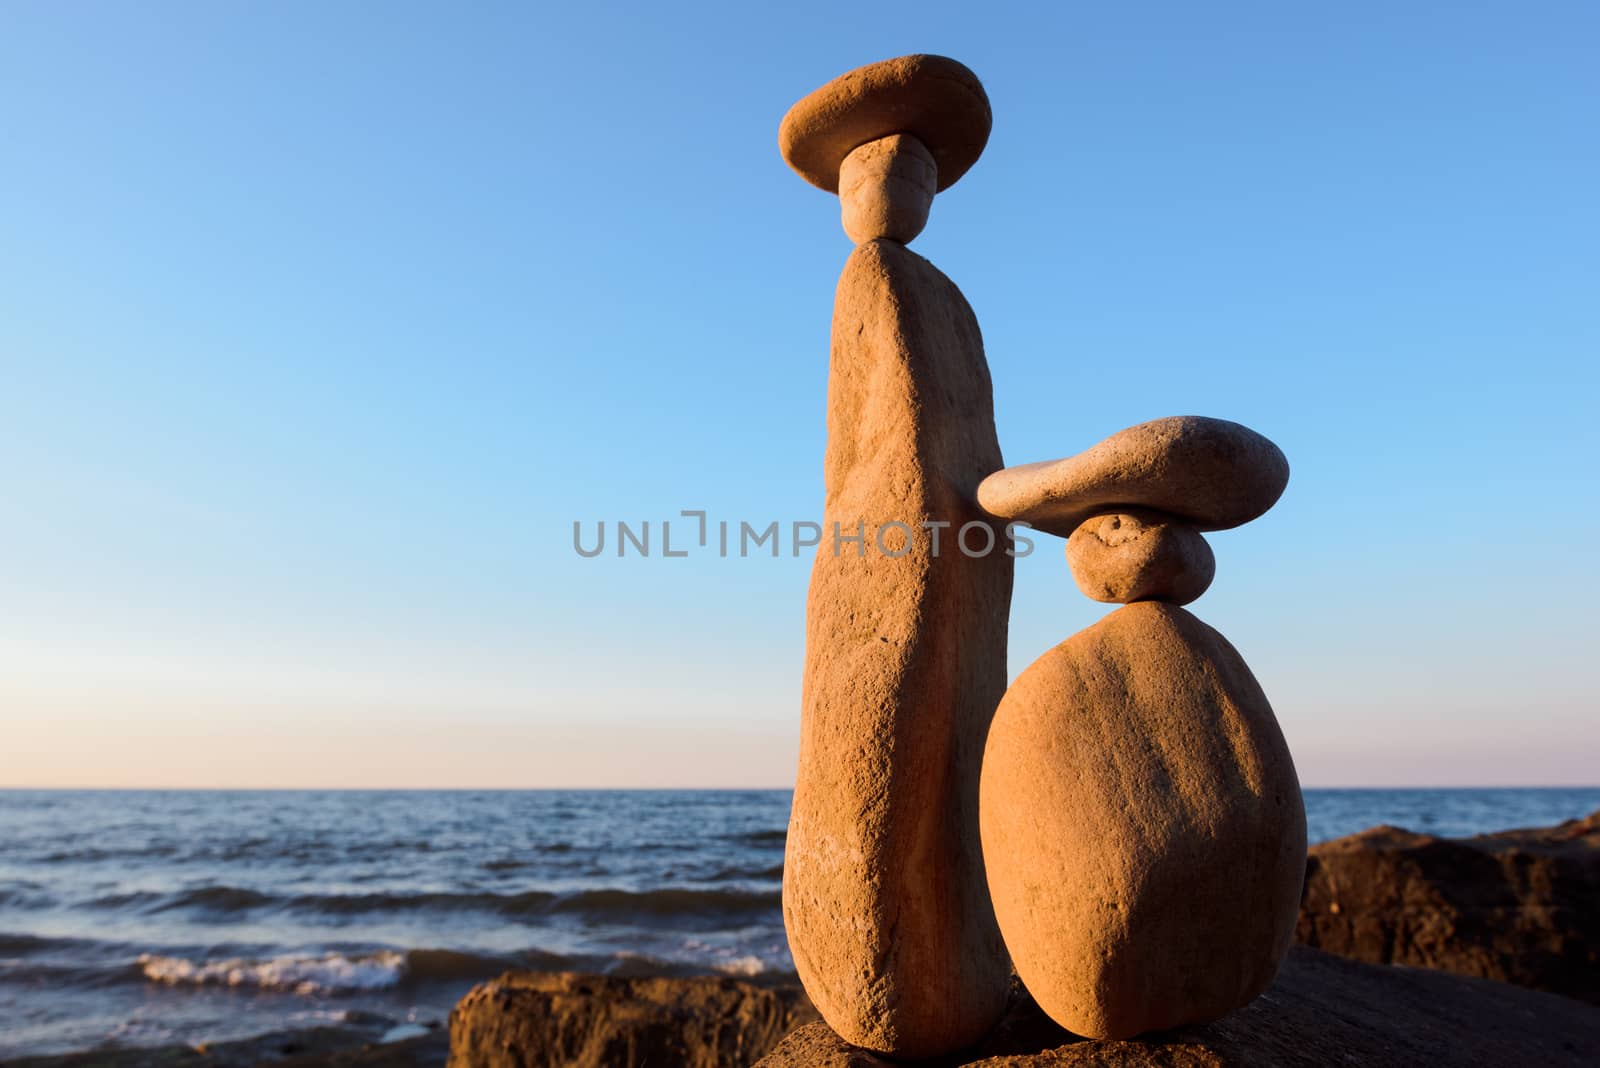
(1142, 825)
(884, 895)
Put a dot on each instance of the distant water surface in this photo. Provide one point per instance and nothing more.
(150, 917)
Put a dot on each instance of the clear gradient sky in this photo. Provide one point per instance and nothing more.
(321, 324)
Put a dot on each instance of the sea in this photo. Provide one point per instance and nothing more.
(143, 918)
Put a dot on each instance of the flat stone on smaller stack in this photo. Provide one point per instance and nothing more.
(1211, 472)
(1124, 557)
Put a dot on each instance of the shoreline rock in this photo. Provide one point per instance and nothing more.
(549, 1019)
(1518, 906)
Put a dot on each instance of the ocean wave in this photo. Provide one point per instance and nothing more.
(76, 964)
(771, 837)
(669, 902)
(96, 854)
(54, 973)
(744, 967)
(201, 898)
(627, 964)
(331, 973)
(525, 861)
(701, 960)
(527, 902)
(21, 945)
(25, 894)
(128, 899)
(604, 901)
(726, 875)
(215, 899)
(23, 955)
(423, 965)
(334, 974)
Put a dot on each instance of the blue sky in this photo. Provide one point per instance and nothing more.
(320, 325)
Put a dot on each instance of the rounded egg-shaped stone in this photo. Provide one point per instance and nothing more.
(1143, 832)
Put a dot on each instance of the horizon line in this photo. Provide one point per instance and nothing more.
(5, 788)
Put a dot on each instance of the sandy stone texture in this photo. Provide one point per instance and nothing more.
(885, 901)
(1142, 826)
(566, 1020)
(1212, 472)
(1140, 556)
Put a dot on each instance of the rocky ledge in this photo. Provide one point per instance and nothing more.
(540, 1019)
(1322, 1011)
(1520, 906)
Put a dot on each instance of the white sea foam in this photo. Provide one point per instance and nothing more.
(301, 975)
(745, 966)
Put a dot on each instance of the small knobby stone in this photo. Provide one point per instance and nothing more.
(1130, 556)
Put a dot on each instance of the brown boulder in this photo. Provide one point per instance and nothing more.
(884, 897)
(563, 1020)
(1321, 1012)
(1142, 826)
(1519, 906)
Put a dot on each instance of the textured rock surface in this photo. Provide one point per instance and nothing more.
(884, 899)
(1215, 473)
(886, 188)
(1142, 826)
(1321, 1012)
(1140, 556)
(934, 98)
(549, 1019)
(1519, 906)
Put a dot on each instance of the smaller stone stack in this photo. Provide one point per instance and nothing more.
(1142, 826)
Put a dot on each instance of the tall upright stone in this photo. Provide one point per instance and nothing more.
(885, 900)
